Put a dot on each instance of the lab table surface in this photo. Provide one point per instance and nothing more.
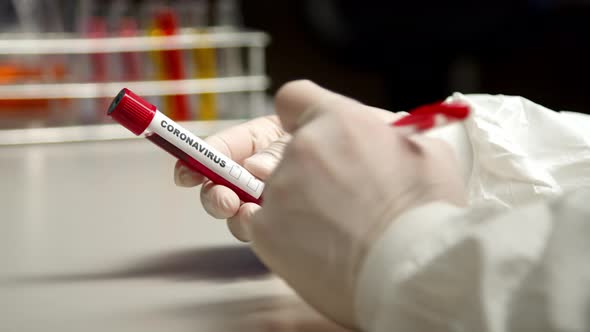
(95, 236)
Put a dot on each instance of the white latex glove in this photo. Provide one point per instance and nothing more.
(344, 177)
(258, 145)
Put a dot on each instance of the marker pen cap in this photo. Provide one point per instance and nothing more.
(132, 111)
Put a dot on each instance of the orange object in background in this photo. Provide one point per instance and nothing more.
(11, 73)
(15, 73)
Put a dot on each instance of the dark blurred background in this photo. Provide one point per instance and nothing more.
(398, 54)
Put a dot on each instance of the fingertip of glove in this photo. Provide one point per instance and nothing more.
(261, 164)
(184, 177)
(219, 201)
(239, 225)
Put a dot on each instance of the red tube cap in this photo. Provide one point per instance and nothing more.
(132, 111)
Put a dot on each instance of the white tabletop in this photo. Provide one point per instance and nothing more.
(94, 236)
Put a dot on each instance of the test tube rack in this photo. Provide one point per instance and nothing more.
(253, 82)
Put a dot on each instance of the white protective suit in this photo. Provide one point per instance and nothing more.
(518, 258)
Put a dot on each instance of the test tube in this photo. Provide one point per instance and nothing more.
(130, 61)
(97, 28)
(121, 19)
(205, 61)
(226, 17)
(143, 118)
(172, 63)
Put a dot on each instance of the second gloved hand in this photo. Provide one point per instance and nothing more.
(344, 178)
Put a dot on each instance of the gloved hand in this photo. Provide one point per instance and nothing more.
(343, 178)
(258, 145)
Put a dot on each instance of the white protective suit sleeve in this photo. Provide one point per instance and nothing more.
(518, 258)
(440, 268)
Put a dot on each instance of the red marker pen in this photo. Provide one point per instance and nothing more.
(141, 117)
(431, 116)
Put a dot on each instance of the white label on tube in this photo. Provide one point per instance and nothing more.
(205, 154)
